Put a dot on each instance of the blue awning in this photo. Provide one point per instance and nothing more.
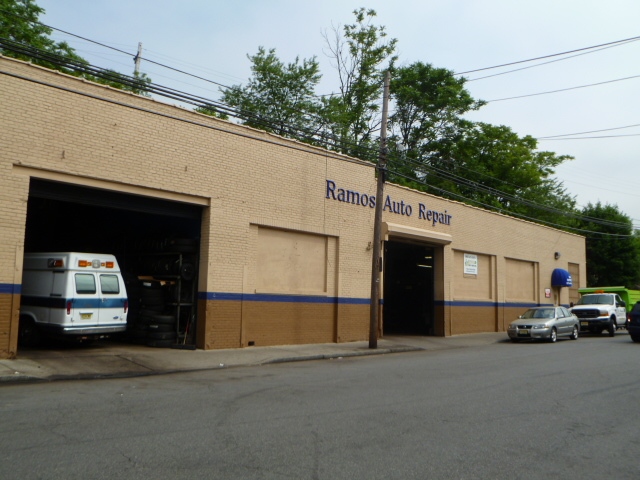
(561, 278)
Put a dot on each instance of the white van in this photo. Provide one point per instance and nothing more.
(74, 295)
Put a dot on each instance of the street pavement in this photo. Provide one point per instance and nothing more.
(117, 360)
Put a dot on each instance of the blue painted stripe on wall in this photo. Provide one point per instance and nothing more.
(10, 288)
(264, 297)
(492, 304)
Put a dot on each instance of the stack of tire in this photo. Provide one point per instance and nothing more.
(174, 245)
(133, 285)
(151, 326)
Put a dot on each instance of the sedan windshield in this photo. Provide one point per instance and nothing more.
(539, 313)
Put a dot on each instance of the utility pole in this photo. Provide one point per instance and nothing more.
(137, 59)
(376, 264)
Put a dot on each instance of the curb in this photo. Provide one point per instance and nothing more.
(30, 379)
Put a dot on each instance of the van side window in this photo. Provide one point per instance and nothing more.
(85, 283)
(109, 284)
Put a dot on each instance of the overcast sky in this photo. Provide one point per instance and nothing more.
(211, 39)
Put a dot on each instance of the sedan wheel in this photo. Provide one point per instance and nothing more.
(574, 334)
(635, 338)
(553, 336)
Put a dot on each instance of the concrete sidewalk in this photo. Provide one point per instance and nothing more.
(113, 360)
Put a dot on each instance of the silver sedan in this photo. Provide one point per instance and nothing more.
(544, 323)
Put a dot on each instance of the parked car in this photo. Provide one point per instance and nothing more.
(544, 323)
(633, 325)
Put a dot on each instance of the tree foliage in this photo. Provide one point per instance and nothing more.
(434, 148)
(493, 167)
(279, 97)
(429, 105)
(613, 259)
(137, 84)
(19, 23)
(361, 54)
(22, 36)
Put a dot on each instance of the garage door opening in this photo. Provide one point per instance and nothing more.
(408, 289)
(156, 243)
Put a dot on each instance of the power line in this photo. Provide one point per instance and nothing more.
(591, 138)
(478, 187)
(564, 89)
(589, 131)
(508, 212)
(201, 102)
(598, 47)
(545, 63)
(549, 56)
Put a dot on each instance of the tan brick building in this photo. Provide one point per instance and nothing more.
(283, 230)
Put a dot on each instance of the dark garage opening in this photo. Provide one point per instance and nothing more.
(408, 289)
(155, 241)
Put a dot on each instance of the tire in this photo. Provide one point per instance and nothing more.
(187, 271)
(575, 333)
(152, 297)
(553, 336)
(635, 338)
(160, 343)
(162, 319)
(162, 336)
(28, 333)
(612, 328)
(160, 327)
(150, 285)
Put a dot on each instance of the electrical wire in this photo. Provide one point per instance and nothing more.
(547, 63)
(625, 40)
(511, 213)
(589, 131)
(440, 173)
(197, 101)
(564, 89)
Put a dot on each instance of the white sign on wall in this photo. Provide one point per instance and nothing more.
(470, 264)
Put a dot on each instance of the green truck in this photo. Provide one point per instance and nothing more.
(597, 318)
(630, 297)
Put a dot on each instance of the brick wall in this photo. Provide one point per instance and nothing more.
(57, 127)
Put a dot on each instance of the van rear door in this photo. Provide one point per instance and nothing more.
(86, 304)
(113, 300)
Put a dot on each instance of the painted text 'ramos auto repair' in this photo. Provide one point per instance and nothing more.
(400, 208)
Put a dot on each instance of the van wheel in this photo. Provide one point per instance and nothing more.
(28, 333)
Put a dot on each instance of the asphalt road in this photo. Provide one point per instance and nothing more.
(504, 411)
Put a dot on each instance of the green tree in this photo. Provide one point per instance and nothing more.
(22, 36)
(491, 167)
(361, 54)
(213, 111)
(429, 104)
(613, 250)
(19, 26)
(137, 84)
(279, 97)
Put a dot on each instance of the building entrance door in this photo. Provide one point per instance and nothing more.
(408, 307)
